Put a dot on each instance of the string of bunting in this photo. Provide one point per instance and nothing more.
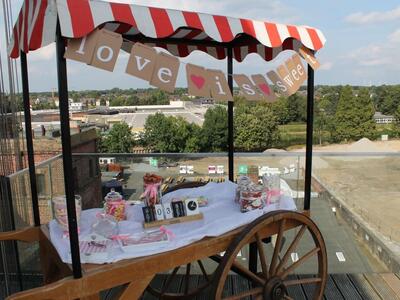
(101, 49)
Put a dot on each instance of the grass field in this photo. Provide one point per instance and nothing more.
(295, 134)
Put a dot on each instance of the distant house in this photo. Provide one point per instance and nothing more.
(383, 119)
(77, 106)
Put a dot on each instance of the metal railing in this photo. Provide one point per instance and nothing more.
(363, 182)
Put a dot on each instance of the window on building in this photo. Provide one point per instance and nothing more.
(91, 168)
(41, 184)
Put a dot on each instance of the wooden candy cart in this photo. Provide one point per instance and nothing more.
(271, 263)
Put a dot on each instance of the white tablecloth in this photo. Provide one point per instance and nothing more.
(220, 216)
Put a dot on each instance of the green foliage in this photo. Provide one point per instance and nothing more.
(169, 134)
(290, 109)
(281, 111)
(154, 97)
(44, 105)
(256, 128)
(354, 116)
(215, 129)
(119, 139)
(396, 125)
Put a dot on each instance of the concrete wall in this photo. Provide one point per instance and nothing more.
(377, 244)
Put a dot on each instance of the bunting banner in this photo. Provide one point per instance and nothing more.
(106, 50)
(101, 49)
(309, 57)
(296, 70)
(165, 72)
(247, 87)
(220, 90)
(197, 81)
(82, 49)
(142, 61)
(262, 84)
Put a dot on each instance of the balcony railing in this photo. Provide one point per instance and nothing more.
(355, 196)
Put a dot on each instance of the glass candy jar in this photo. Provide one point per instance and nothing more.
(251, 199)
(59, 209)
(114, 205)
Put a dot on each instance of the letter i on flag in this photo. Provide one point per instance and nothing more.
(219, 85)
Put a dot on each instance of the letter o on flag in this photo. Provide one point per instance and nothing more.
(105, 50)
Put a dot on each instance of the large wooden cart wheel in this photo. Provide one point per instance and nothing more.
(188, 291)
(304, 253)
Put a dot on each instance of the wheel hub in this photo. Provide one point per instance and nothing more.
(274, 289)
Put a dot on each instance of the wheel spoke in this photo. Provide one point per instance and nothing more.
(286, 297)
(252, 292)
(287, 271)
(261, 253)
(277, 247)
(248, 273)
(169, 280)
(203, 270)
(291, 248)
(187, 277)
(302, 281)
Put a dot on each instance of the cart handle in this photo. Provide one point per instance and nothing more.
(28, 235)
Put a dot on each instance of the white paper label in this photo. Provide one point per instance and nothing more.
(168, 211)
(159, 212)
(192, 207)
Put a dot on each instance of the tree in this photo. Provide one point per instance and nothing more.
(297, 108)
(354, 116)
(170, 134)
(119, 139)
(396, 123)
(256, 128)
(215, 130)
(280, 110)
(367, 125)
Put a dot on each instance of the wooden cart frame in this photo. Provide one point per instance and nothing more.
(87, 281)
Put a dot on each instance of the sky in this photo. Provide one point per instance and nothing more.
(363, 43)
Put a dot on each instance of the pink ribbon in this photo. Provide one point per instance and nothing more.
(151, 190)
(167, 232)
(272, 193)
(120, 237)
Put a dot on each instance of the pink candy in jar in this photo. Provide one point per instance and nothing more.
(252, 199)
(115, 205)
(59, 207)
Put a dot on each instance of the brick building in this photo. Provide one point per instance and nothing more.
(50, 176)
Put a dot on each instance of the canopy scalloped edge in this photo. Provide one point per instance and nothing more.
(36, 28)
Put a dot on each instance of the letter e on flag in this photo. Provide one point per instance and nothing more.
(165, 72)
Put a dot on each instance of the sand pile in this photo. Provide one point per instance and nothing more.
(366, 145)
(274, 150)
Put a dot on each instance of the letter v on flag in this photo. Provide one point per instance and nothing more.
(142, 61)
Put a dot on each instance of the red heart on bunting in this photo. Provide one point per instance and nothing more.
(264, 88)
(198, 81)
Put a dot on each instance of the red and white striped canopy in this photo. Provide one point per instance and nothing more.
(180, 32)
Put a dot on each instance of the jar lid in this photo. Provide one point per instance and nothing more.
(113, 196)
